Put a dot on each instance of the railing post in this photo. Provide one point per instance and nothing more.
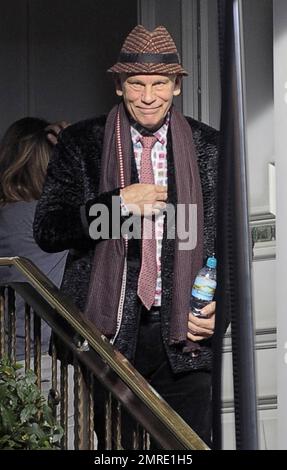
(37, 349)
(81, 407)
(11, 325)
(64, 403)
(27, 337)
(2, 321)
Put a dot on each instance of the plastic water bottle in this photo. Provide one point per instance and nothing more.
(204, 287)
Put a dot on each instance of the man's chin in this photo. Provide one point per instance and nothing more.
(150, 124)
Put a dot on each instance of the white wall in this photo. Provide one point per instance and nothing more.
(258, 40)
(280, 95)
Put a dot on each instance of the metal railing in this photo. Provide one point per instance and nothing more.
(94, 358)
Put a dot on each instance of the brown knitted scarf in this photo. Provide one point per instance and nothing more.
(108, 265)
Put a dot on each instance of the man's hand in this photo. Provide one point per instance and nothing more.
(144, 199)
(202, 328)
(53, 130)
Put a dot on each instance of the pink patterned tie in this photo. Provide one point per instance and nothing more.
(148, 273)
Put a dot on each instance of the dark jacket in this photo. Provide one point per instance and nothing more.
(61, 222)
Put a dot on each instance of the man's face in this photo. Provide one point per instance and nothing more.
(148, 97)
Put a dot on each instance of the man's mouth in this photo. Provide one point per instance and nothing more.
(149, 110)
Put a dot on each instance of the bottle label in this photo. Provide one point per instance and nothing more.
(204, 288)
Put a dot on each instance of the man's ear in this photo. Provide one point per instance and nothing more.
(177, 86)
(118, 86)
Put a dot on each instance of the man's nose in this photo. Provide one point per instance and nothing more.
(148, 95)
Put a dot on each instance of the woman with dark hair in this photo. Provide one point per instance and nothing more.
(24, 155)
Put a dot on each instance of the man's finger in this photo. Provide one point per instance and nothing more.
(161, 193)
(160, 189)
(200, 331)
(194, 337)
(201, 322)
(209, 309)
(159, 205)
(161, 196)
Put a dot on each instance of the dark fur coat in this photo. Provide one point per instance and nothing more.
(61, 223)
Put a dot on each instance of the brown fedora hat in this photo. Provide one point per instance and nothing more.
(150, 52)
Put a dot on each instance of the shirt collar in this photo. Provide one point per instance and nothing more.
(137, 131)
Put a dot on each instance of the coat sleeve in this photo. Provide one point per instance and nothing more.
(207, 143)
(61, 215)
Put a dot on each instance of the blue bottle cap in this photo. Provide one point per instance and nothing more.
(211, 262)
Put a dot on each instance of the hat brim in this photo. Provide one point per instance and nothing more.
(139, 68)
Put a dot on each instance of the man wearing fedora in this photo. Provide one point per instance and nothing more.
(141, 158)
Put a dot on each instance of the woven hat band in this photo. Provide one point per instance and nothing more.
(148, 58)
